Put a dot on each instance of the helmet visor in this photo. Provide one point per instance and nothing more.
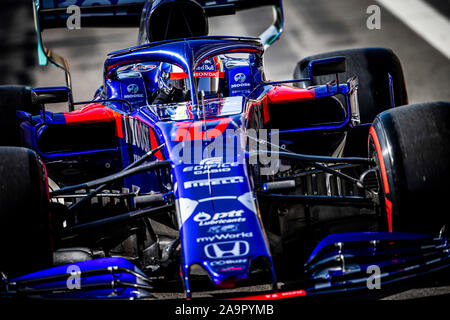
(208, 84)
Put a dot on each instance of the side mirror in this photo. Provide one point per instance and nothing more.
(51, 95)
(326, 66)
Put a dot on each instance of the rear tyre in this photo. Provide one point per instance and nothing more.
(411, 145)
(13, 98)
(25, 242)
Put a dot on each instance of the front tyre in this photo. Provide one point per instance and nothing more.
(411, 145)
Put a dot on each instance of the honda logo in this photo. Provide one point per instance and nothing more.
(227, 249)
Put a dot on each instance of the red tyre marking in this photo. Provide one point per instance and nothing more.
(380, 158)
(383, 175)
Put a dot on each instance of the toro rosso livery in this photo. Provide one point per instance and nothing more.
(190, 171)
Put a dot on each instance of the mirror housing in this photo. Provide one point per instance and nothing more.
(321, 67)
(51, 95)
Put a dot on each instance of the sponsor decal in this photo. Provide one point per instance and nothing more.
(207, 74)
(227, 249)
(131, 96)
(133, 88)
(240, 77)
(207, 65)
(211, 168)
(223, 229)
(240, 85)
(141, 67)
(139, 134)
(212, 171)
(231, 268)
(226, 236)
(227, 262)
(205, 219)
(202, 216)
(213, 182)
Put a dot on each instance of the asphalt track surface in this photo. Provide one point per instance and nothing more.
(311, 26)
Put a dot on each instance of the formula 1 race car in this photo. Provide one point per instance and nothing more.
(190, 172)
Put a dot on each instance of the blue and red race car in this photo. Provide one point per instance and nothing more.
(189, 171)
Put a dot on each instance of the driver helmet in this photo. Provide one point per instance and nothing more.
(209, 78)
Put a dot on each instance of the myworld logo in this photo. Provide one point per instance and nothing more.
(227, 236)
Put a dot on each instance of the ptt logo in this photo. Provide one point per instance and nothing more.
(203, 216)
(133, 88)
(220, 218)
(240, 77)
(227, 249)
